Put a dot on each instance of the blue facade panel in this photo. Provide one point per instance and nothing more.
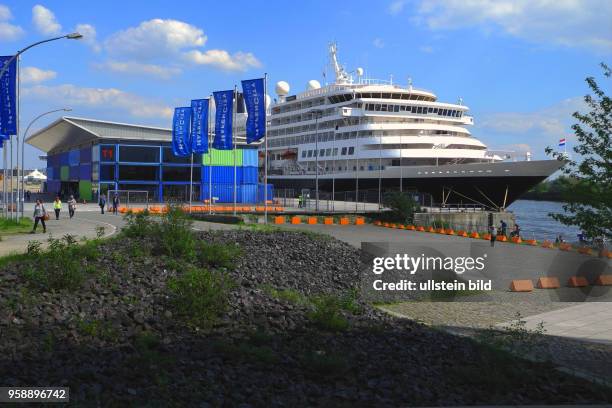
(63, 159)
(85, 172)
(73, 173)
(249, 157)
(50, 173)
(53, 186)
(74, 157)
(248, 193)
(249, 175)
(85, 155)
(261, 192)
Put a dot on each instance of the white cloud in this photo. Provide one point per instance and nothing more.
(551, 121)
(239, 61)
(99, 98)
(8, 31)
(33, 75)
(396, 7)
(155, 38)
(44, 20)
(136, 68)
(89, 36)
(569, 23)
(378, 43)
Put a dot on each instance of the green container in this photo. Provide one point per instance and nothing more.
(85, 190)
(222, 157)
(64, 173)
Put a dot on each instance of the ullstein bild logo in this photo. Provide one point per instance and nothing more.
(412, 264)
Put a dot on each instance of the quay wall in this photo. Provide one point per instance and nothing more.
(469, 221)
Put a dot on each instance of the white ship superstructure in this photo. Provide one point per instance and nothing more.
(379, 134)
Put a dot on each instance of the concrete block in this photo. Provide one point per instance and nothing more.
(521, 285)
(548, 282)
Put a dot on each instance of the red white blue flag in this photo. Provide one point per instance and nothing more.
(562, 142)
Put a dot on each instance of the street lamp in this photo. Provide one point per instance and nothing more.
(25, 134)
(319, 114)
(70, 36)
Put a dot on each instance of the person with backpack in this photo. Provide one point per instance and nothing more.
(57, 207)
(102, 203)
(40, 213)
(71, 206)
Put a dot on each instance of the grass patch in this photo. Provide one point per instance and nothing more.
(199, 296)
(217, 255)
(326, 313)
(99, 329)
(7, 226)
(288, 295)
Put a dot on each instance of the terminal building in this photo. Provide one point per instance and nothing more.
(87, 157)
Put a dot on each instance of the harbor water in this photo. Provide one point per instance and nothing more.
(532, 216)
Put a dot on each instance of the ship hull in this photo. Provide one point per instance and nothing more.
(490, 185)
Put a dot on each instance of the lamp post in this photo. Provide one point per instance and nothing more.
(71, 36)
(319, 114)
(25, 134)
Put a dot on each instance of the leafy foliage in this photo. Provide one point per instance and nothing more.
(402, 207)
(589, 199)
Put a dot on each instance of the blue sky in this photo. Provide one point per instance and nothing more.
(519, 65)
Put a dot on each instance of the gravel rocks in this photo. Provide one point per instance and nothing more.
(117, 342)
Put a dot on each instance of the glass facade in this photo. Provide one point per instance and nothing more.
(139, 154)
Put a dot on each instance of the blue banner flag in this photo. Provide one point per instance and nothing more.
(181, 143)
(223, 119)
(199, 125)
(255, 100)
(8, 97)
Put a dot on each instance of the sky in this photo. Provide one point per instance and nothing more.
(519, 65)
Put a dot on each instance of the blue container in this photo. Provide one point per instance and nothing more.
(63, 159)
(85, 172)
(221, 192)
(261, 193)
(53, 186)
(74, 157)
(249, 175)
(85, 155)
(52, 160)
(73, 173)
(50, 173)
(248, 193)
(250, 158)
(224, 174)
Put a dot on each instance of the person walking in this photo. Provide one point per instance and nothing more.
(40, 213)
(115, 204)
(503, 227)
(57, 207)
(493, 231)
(102, 203)
(71, 206)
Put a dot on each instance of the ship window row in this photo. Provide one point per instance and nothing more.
(402, 96)
(289, 107)
(419, 110)
(333, 136)
(329, 152)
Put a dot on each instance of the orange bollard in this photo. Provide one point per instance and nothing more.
(421, 228)
(475, 235)
(521, 285)
(312, 220)
(565, 247)
(279, 220)
(377, 223)
(296, 220)
(344, 221)
(502, 238)
(359, 221)
(329, 221)
(585, 250)
(410, 227)
(431, 229)
(577, 282)
(548, 283)
(517, 240)
(450, 232)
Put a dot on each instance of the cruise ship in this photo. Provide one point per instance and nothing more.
(368, 137)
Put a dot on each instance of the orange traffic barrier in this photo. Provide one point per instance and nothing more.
(421, 228)
(604, 280)
(359, 221)
(548, 282)
(565, 247)
(410, 227)
(462, 233)
(401, 226)
(517, 240)
(345, 221)
(474, 235)
(531, 242)
(312, 220)
(377, 222)
(577, 282)
(585, 250)
(385, 224)
(296, 220)
(330, 221)
(521, 285)
(431, 229)
(547, 244)
(279, 220)
(486, 236)
(441, 231)
(450, 232)
(393, 225)
(502, 238)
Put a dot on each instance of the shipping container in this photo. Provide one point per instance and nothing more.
(50, 173)
(249, 175)
(221, 192)
(248, 193)
(249, 157)
(73, 173)
(74, 157)
(85, 192)
(261, 192)
(85, 155)
(222, 157)
(85, 172)
(53, 186)
(64, 173)
(221, 174)
(63, 159)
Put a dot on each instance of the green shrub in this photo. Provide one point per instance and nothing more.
(288, 295)
(402, 208)
(200, 296)
(100, 329)
(326, 313)
(217, 255)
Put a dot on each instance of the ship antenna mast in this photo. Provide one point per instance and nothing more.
(342, 76)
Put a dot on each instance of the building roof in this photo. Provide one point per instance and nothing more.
(68, 132)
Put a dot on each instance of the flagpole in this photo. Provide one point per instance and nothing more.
(4, 195)
(191, 181)
(18, 196)
(208, 135)
(11, 172)
(265, 150)
(234, 112)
